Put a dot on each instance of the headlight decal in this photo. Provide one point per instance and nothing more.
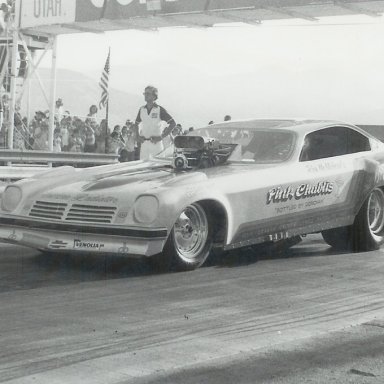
(11, 198)
(146, 209)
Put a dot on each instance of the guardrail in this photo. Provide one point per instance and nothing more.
(71, 158)
(17, 164)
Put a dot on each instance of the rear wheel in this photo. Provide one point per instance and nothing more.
(189, 242)
(367, 231)
(339, 238)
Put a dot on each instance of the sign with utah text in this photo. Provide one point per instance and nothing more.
(34, 13)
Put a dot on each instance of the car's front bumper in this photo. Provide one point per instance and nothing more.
(59, 236)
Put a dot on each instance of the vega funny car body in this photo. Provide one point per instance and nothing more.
(227, 186)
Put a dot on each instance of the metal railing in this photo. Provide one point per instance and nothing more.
(56, 158)
(17, 164)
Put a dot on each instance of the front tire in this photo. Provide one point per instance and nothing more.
(189, 243)
(367, 231)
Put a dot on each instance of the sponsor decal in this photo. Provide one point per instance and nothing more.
(328, 165)
(304, 222)
(81, 197)
(294, 207)
(122, 215)
(124, 249)
(13, 236)
(57, 244)
(81, 244)
(279, 194)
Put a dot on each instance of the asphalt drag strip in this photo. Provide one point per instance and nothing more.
(354, 355)
(97, 320)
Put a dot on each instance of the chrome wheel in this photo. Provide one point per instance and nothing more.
(190, 234)
(375, 212)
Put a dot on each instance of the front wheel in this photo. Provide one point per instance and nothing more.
(189, 242)
(367, 231)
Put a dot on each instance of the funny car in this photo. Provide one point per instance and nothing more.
(228, 185)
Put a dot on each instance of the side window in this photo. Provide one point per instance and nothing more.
(334, 141)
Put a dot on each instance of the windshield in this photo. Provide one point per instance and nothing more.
(253, 145)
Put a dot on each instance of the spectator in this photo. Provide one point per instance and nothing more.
(90, 139)
(5, 109)
(64, 132)
(5, 15)
(227, 118)
(40, 136)
(128, 151)
(93, 113)
(59, 109)
(100, 136)
(57, 140)
(75, 142)
(211, 122)
(115, 144)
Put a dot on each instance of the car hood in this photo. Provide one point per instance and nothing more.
(134, 179)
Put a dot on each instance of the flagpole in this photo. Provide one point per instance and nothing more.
(104, 102)
(106, 127)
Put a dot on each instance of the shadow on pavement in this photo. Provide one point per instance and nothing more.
(23, 268)
(253, 254)
(93, 267)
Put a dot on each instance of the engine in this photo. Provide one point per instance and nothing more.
(193, 152)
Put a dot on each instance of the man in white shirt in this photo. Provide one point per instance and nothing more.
(150, 124)
(59, 109)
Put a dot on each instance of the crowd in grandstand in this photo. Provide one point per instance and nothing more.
(71, 133)
(76, 134)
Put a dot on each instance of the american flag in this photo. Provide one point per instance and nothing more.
(104, 83)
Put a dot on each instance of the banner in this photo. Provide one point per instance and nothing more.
(143, 13)
(46, 12)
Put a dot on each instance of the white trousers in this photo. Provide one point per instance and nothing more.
(148, 149)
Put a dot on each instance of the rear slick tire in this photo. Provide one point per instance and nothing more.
(367, 231)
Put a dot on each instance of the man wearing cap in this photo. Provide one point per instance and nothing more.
(149, 124)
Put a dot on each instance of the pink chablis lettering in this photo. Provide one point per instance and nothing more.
(47, 8)
(308, 190)
(278, 194)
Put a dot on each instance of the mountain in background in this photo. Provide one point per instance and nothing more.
(194, 96)
(78, 93)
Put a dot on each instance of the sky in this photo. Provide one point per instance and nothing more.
(330, 69)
